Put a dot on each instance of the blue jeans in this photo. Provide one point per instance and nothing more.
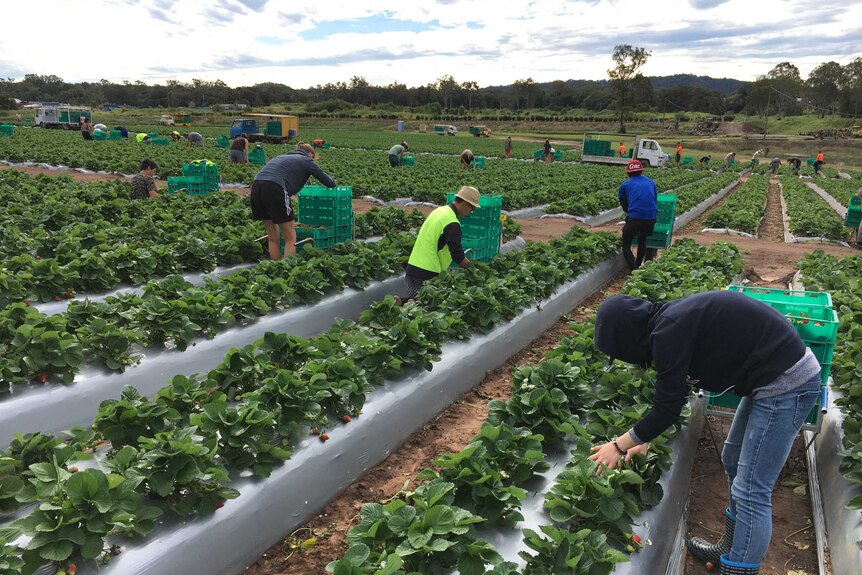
(756, 449)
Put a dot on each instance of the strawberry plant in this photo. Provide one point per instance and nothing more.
(564, 552)
(109, 343)
(76, 511)
(300, 402)
(744, 209)
(11, 562)
(122, 421)
(178, 468)
(809, 215)
(187, 395)
(245, 435)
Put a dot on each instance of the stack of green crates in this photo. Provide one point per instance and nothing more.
(854, 212)
(597, 148)
(115, 135)
(327, 213)
(273, 128)
(662, 233)
(7, 129)
(222, 141)
(816, 322)
(480, 231)
(100, 135)
(193, 185)
(206, 170)
(257, 156)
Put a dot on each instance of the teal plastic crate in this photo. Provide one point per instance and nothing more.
(7, 130)
(222, 141)
(661, 237)
(323, 238)
(480, 161)
(160, 141)
(408, 161)
(193, 186)
(788, 296)
(257, 157)
(115, 135)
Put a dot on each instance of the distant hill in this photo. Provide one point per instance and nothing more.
(725, 86)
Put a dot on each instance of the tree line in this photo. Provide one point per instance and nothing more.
(829, 89)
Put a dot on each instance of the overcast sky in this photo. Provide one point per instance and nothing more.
(304, 43)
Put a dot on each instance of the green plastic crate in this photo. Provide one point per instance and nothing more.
(408, 161)
(160, 141)
(323, 237)
(788, 296)
(100, 135)
(480, 161)
(7, 130)
(194, 186)
(115, 135)
(666, 204)
(222, 141)
(853, 219)
(257, 157)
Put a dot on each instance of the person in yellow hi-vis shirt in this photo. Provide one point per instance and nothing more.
(439, 241)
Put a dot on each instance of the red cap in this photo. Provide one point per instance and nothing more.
(634, 166)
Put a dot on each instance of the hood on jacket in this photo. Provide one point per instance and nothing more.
(622, 328)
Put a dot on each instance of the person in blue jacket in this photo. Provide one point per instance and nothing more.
(717, 341)
(638, 197)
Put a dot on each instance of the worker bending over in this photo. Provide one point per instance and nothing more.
(696, 342)
(439, 241)
(273, 186)
(468, 160)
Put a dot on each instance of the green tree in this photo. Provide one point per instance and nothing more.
(822, 84)
(787, 87)
(851, 88)
(627, 61)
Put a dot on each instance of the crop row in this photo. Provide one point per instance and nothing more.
(572, 397)
(743, 210)
(177, 449)
(522, 184)
(809, 215)
(58, 236)
(840, 189)
(840, 277)
(171, 311)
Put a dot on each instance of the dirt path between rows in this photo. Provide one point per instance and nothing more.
(769, 262)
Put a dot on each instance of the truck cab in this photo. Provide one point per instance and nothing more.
(480, 131)
(604, 148)
(166, 120)
(65, 117)
(246, 126)
(649, 152)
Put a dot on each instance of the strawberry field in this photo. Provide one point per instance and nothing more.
(188, 403)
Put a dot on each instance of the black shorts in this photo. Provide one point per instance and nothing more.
(269, 201)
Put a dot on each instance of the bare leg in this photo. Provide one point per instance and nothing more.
(288, 232)
(272, 239)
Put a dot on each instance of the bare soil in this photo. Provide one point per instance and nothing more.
(769, 262)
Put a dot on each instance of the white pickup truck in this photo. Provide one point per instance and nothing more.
(605, 148)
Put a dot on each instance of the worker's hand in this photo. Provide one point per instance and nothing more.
(637, 450)
(465, 263)
(606, 456)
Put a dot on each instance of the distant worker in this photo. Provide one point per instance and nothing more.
(728, 160)
(468, 160)
(622, 150)
(547, 151)
(396, 154)
(818, 161)
(704, 161)
(439, 241)
(318, 142)
(144, 183)
(100, 127)
(124, 132)
(17, 116)
(638, 197)
(175, 136)
(795, 164)
(755, 158)
(239, 149)
(507, 147)
(273, 186)
(774, 165)
(194, 139)
(85, 128)
(678, 156)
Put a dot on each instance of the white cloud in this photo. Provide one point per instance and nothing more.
(244, 42)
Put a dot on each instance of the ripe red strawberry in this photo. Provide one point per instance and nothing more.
(346, 419)
(315, 431)
(220, 504)
(709, 566)
(42, 378)
(67, 295)
(73, 469)
(72, 569)
(57, 298)
(636, 538)
(27, 303)
(324, 437)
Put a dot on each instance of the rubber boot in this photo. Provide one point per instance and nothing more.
(727, 567)
(708, 552)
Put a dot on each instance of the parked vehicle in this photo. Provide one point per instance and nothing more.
(480, 131)
(65, 117)
(445, 129)
(278, 129)
(603, 148)
(166, 120)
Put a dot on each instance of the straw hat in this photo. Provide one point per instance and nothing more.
(469, 194)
